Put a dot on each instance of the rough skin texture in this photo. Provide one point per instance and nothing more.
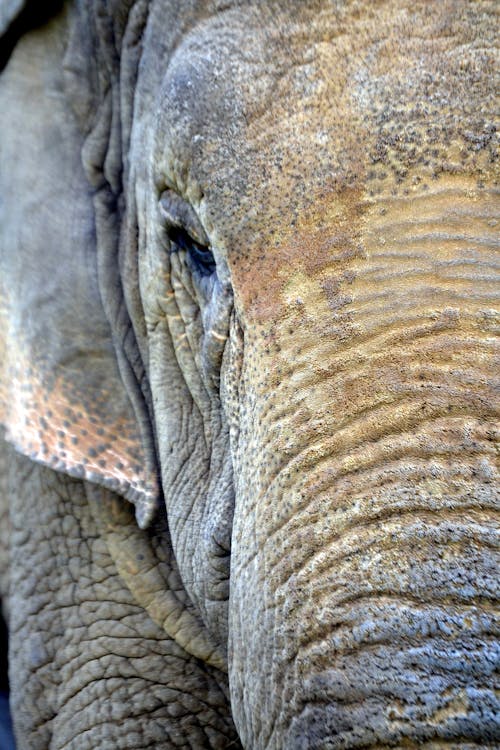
(248, 285)
(90, 667)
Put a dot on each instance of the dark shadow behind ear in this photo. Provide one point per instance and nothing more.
(73, 393)
(19, 16)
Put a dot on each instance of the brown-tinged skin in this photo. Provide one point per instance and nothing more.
(322, 405)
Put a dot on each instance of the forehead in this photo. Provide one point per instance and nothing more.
(267, 110)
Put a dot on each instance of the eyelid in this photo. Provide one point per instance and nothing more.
(178, 213)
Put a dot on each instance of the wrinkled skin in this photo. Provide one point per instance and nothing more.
(249, 286)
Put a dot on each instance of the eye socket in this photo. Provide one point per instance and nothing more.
(185, 232)
(201, 256)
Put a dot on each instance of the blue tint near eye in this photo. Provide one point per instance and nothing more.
(200, 256)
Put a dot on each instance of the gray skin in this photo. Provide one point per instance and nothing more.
(247, 285)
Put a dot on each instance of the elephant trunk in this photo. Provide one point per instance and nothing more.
(363, 585)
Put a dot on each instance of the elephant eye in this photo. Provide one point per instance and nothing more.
(185, 232)
(200, 256)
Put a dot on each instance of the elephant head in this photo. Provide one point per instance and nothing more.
(249, 274)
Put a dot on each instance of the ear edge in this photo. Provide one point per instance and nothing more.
(17, 17)
(99, 445)
(9, 13)
(145, 498)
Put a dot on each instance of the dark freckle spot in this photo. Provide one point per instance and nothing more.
(61, 433)
(85, 461)
(100, 431)
(140, 557)
(60, 444)
(49, 414)
(119, 466)
(66, 423)
(93, 420)
(101, 447)
(137, 469)
(102, 463)
(43, 423)
(92, 452)
(74, 440)
(54, 458)
(84, 432)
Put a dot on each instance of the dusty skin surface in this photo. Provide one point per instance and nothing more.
(249, 254)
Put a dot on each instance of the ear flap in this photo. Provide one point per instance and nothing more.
(62, 395)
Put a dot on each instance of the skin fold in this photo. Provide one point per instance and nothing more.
(248, 308)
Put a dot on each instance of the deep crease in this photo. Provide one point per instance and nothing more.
(345, 366)
(301, 508)
(410, 514)
(429, 601)
(410, 640)
(422, 390)
(310, 459)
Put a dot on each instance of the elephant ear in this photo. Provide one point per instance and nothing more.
(72, 389)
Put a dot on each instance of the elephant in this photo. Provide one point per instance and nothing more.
(249, 373)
